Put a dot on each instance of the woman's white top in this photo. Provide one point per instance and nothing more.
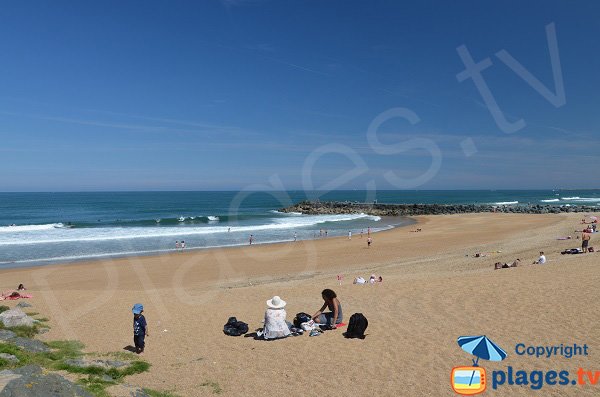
(275, 325)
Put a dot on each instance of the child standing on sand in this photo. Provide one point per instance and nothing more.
(140, 328)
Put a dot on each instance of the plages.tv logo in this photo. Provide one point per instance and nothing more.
(470, 380)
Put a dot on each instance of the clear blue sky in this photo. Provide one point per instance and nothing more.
(232, 94)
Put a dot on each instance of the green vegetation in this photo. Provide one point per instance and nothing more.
(155, 393)
(23, 330)
(216, 388)
(95, 378)
(4, 308)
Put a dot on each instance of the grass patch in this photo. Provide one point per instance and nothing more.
(156, 393)
(96, 386)
(31, 314)
(4, 363)
(134, 367)
(25, 358)
(216, 388)
(42, 320)
(22, 330)
(63, 349)
(4, 308)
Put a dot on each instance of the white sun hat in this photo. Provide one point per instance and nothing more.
(276, 303)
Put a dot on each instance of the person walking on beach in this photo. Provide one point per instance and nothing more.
(251, 239)
(140, 328)
(369, 231)
(182, 245)
(369, 241)
(349, 234)
(295, 236)
(177, 245)
(361, 233)
(585, 241)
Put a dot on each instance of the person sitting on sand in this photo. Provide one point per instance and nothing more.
(359, 280)
(275, 324)
(541, 260)
(516, 263)
(497, 265)
(372, 279)
(21, 287)
(332, 303)
(380, 279)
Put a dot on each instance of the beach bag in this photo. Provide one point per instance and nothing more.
(591, 249)
(235, 327)
(301, 318)
(308, 326)
(357, 326)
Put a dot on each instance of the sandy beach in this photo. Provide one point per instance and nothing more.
(434, 291)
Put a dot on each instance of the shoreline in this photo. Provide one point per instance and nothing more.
(406, 221)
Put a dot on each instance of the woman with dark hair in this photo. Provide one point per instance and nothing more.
(332, 303)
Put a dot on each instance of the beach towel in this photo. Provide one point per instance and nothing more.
(340, 325)
(13, 295)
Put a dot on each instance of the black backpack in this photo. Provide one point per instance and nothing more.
(301, 318)
(357, 326)
(235, 327)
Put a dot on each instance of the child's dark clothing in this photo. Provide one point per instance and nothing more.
(139, 332)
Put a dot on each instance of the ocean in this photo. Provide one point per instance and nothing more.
(44, 228)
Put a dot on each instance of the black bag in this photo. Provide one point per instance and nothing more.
(301, 318)
(357, 326)
(235, 327)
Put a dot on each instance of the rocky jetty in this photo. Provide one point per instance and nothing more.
(334, 207)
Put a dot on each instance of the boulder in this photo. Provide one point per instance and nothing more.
(107, 364)
(6, 334)
(30, 345)
(9, 358)
(16, 318)
(23, 304)
(30, 381)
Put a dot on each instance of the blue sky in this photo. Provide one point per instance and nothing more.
(234, 94)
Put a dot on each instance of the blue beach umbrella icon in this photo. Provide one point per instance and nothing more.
(481, 347)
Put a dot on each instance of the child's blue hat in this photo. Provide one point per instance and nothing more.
(137, 308)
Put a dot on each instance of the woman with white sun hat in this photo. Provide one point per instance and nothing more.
(275, 324)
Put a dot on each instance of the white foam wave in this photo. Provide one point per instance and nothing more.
(30, 228)
(506, 202)
(550, 201)
(583, 199)
(213, 218)
(68, 235)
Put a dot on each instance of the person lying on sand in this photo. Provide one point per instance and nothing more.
(500, 265)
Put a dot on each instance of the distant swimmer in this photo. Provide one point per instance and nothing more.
(295, 236)
(228, 229)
